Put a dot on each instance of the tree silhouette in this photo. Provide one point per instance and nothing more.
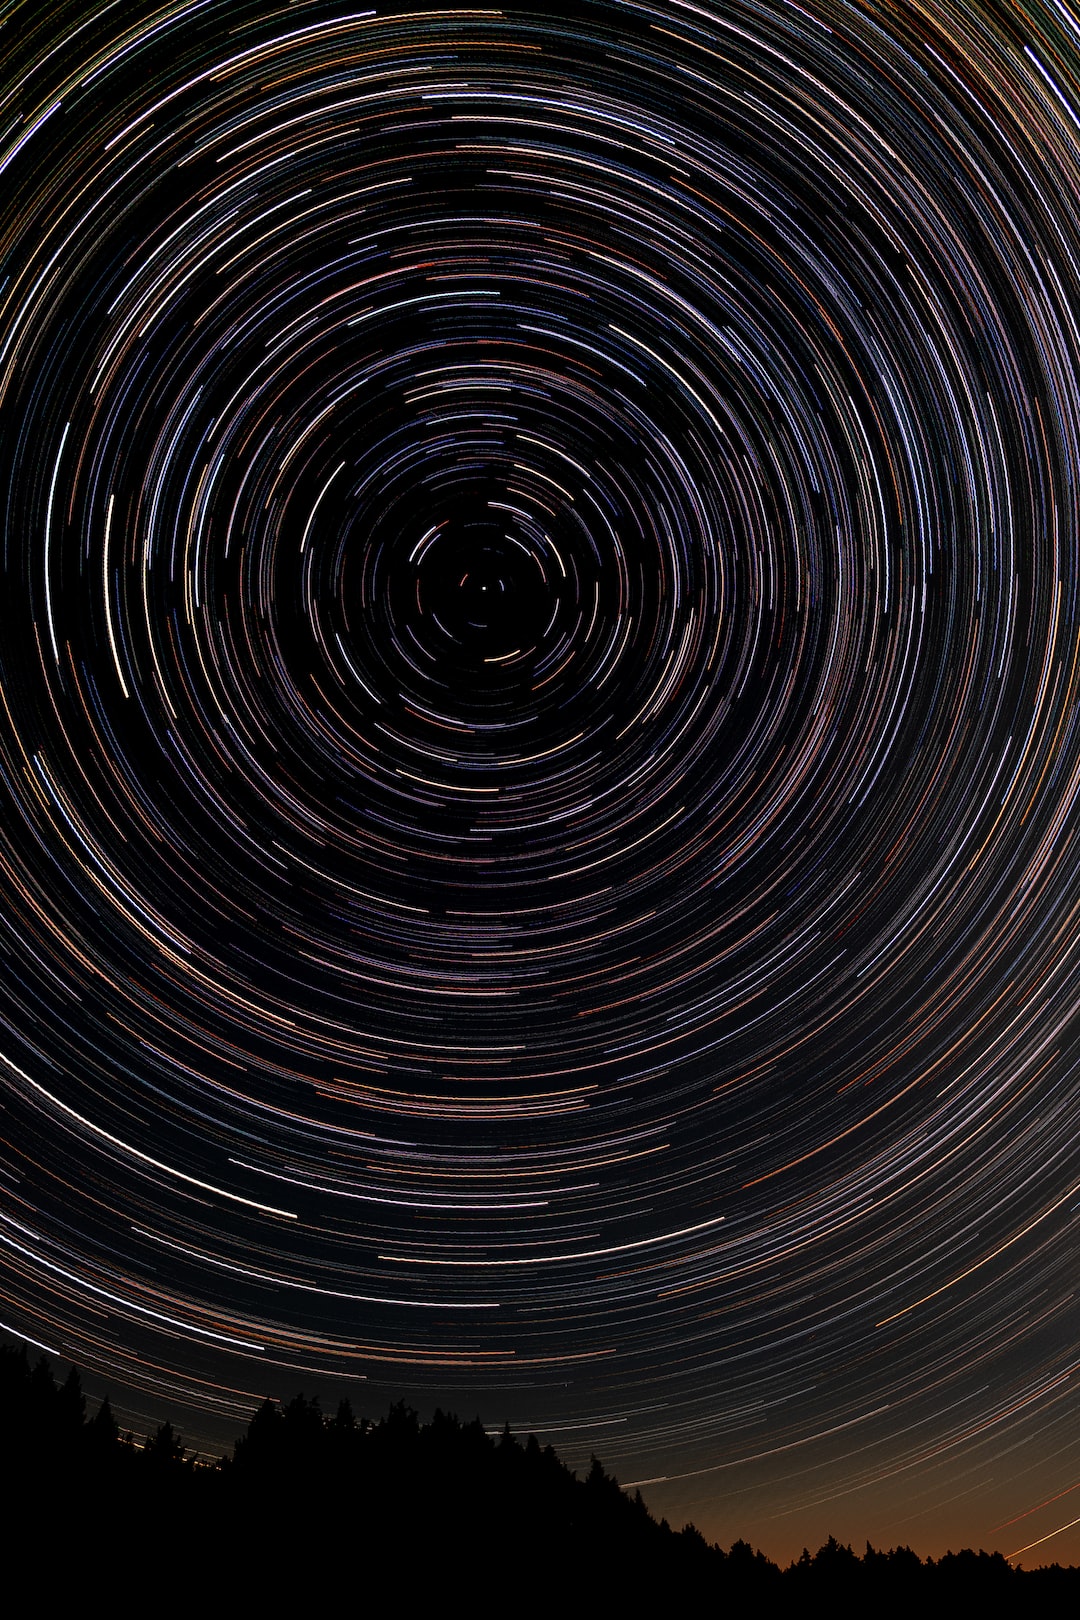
(446, 1496)
(164, 1450)
(102, 1434)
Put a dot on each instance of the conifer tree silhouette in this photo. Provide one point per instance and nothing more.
(164, 1451)
(403, 1495)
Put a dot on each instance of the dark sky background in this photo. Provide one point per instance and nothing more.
(539, 735)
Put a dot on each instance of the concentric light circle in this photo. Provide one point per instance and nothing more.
(539, 734)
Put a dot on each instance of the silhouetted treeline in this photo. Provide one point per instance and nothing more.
(309, 1502)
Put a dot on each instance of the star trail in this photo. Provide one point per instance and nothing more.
(539, 732)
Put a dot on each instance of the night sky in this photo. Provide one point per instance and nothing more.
(540, 735)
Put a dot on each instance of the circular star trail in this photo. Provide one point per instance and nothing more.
(539, 734)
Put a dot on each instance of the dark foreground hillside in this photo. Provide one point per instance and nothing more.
(311, 1509)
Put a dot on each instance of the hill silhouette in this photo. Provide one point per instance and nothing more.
(310, 1503)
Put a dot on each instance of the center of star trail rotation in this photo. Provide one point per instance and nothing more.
(538, 742)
